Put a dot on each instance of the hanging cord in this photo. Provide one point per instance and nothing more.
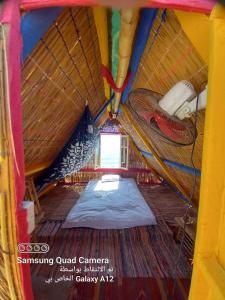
(189, 204)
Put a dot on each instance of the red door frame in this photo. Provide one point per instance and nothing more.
(204, 6)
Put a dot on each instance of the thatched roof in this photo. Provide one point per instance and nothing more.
(59, 76)
(64, 71)
(168, 58)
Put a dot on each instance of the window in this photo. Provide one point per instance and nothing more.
(112, 152)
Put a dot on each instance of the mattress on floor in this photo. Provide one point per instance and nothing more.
(110, 205)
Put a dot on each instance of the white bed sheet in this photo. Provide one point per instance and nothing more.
(110, 205)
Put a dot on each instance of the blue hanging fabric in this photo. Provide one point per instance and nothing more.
(75, 154)
(34, 24)
(147, 18)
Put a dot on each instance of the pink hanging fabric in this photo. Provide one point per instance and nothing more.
(35, 4)
(204, 6)
(11, 17)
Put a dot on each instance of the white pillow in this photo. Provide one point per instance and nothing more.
(111, 177)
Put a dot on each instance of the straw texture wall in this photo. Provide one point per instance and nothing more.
(60, 75)
(10, 276)
(168, 58)
(4, 291)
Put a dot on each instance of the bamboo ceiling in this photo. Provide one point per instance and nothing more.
(169, 57)
(63, 72)
(60, 75)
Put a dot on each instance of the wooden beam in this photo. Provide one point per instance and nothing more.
(101, 24)
(151, 149)
(47, 189)
(128, 25)
(37, 168)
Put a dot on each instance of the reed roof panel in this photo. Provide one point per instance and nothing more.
(169, 57)
(59, 76)
(186, 180)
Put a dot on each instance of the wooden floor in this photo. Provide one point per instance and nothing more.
(143, 258)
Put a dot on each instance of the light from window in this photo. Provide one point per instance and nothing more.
(110, 151)
(106, 186)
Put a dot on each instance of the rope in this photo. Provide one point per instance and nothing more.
(108, 76)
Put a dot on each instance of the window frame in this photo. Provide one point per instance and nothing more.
(124, 152)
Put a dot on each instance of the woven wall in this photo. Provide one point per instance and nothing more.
(63, 72)
(4, 289)
(10, 276)
(60, 75)
(168, 58)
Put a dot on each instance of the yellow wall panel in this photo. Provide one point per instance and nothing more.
(208, 280)
(100, 17)
(196, 27)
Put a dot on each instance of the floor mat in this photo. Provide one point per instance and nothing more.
(141, 259)
(57, 203)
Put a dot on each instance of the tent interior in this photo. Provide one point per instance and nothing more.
(92, 89)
